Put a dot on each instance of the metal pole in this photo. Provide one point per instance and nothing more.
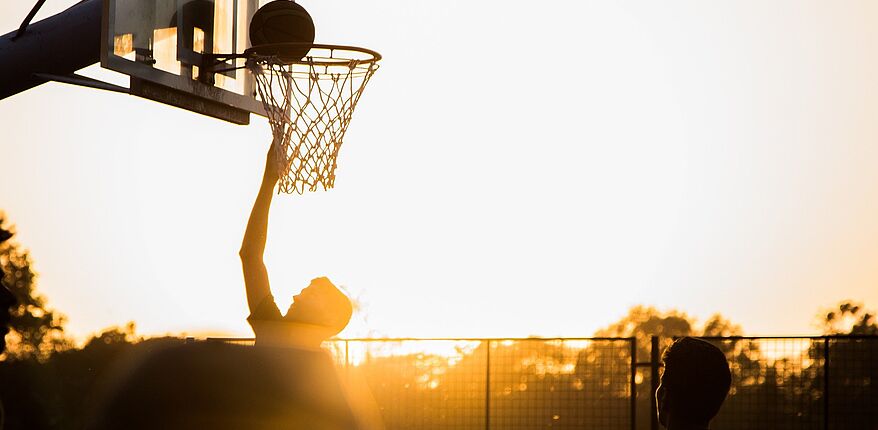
(654, 378)
(58, 45)
(633, 388)
(488, 386)
(347, 361)
(826, 383)
(28, 18)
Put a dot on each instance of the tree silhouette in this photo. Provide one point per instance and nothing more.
(848, 317)
(36, 330)
(643, 322)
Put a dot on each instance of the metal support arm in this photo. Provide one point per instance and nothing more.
(83, 81)
(28, 19)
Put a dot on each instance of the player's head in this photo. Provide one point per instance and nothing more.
(694, 384)
(7, 299)
(321, 304)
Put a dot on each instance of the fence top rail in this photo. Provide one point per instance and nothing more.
(452, 339)
(538, 339)
(822, 337)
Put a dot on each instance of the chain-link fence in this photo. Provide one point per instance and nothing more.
(828, 382)
(496, 383)
(801, 383)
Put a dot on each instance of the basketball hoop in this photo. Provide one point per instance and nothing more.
(309, 92)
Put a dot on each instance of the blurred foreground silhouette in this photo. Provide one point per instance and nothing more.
(224, 386)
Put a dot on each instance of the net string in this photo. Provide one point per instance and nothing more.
(309, 114)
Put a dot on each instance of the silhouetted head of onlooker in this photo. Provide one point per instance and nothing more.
(216, 386)
(7, 299)
(322, 305)
(695, 382)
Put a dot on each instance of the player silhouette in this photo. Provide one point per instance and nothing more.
(317, 313)
(287, 381)
(694, 384)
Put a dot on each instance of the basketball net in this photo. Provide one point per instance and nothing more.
(309, 104)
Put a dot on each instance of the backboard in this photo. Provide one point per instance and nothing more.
(160, 44)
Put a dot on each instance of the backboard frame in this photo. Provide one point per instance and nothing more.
(198, 95)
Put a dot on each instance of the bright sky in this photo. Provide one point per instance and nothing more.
(515, 168)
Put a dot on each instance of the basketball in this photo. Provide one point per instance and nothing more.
(283, 21)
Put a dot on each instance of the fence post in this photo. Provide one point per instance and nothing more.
(654, 379)
(633, 383)
(826, 383)
(347, 360)
(488, 386)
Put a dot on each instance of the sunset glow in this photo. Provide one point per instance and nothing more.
(514, 169)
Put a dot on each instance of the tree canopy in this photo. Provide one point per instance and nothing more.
(36, 330)
(848, 317)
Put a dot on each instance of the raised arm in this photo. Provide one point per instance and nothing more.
(253, 245)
